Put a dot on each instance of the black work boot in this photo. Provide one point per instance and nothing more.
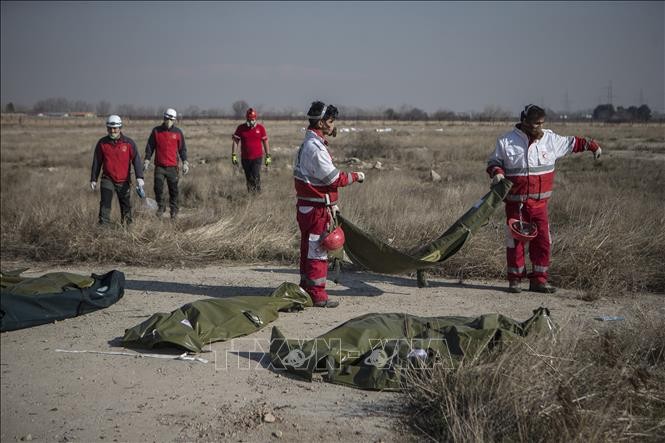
(544, 288)
(514, 286)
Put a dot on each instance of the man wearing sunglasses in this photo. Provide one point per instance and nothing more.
(526, 156)
(317, 181)
(168, 143)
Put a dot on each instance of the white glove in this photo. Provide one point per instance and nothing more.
(185, 167)
(361, 177)
(146, 165)
(93, 186)
(334, 209)
(596, 154)
(497, 178)
(140, 182)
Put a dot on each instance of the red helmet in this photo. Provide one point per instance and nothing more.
(522, 231)
(334, 240)
(251, 114)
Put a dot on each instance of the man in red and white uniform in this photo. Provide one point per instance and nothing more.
(114, 155)
(168, 143)
(253, 141)
(316, 182)
(526, 156)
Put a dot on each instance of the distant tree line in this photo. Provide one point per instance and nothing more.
(607, 113)
(60, 105)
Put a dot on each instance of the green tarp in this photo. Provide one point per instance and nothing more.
(366, 250)
(205, 321)
(32, 301)
(374, 351)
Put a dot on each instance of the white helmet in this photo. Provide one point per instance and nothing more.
(170, 114)
(113, 121)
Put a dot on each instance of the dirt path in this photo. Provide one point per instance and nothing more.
(54, 396)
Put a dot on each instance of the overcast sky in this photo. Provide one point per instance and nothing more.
(432, 55)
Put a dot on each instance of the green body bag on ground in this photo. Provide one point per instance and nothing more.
(33, 301)
(374, 351)
(202, 322)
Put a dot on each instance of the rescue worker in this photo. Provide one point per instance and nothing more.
(168, 143)
(253, 141)
(526, 156)
(316, 183)
(114, 155)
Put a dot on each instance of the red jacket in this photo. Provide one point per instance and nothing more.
(168, 144)
(115, 158)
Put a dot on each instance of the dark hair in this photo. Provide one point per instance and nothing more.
(319, 111)
(532, 112)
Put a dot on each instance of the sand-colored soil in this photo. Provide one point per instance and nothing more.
(54, 396)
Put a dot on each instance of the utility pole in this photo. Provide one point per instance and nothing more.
(566, 103)
(610, 96)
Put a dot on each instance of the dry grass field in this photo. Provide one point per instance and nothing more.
(595, 382)
(606, 218)
(600, 387)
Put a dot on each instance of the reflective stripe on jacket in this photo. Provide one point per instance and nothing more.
(316, 177)
(530, 167)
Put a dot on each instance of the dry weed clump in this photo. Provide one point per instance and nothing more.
(587, 385)
(606, 220)
(608, 237)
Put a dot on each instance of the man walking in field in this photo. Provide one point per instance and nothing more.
(114, 155)
(526, 156)
(316, 182)
(168, 143)
(253, 141)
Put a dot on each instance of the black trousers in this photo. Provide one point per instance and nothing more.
(123, 190)
(170, 174)
(252, 170)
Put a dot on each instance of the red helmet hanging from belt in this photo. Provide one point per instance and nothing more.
(251, 114)
(334, 240)
(522, 231)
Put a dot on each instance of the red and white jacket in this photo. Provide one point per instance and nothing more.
(316, 177)
(529, 164)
